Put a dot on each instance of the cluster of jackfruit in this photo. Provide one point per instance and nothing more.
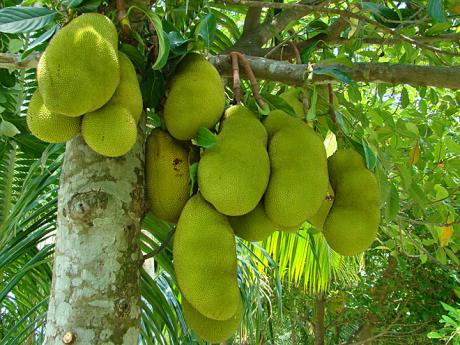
(259, 177)
(86, 85)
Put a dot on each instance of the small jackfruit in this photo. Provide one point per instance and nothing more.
(292, 98)
(110, 131)
(298, 179)
(318, 219)
(79, 71)
(167, 175)
(48, 126)
(253, 226)
(213, 331)
(204, 257)
(233, 175)
(196, 98)
(128, 93)
(352, 223)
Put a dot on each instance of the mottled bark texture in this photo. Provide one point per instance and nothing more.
(95, 291)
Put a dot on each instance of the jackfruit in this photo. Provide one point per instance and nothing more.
(167, 176)
(79, 71)
(352, 223)
(128, 93)
(292, 98)
(318, 219)
(204, 256)
(213, 331)
(110, 131)
(48, 126)
(253, 226)
(299, 179)
(233, 175)
(196, 98)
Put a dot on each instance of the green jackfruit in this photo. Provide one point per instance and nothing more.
(213, 331)
(299, 178)
(204, 254)
(353, 220)
(196, 98)
(110, 131)
(79, 71)
(167, 176)
(292, 98)
(128, 93)
(233, 175)
(48, 126)
(253, 226)
(318, 219)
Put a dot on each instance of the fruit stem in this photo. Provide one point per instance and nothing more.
(236, 78)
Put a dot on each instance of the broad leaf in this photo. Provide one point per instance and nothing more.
(24, 19)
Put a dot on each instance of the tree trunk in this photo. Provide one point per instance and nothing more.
(319, 322)
(95, 291)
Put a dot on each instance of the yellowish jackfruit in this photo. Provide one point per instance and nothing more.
(48, 126)
(213, 331)
(196, 98)
(128, 93)
(233, 175)
(292, 98)
(167, 176)
(318, 219)
(110, 131)
(204, 254)
(79, 71)
(353, 220)
(253, 226)
(298, 179)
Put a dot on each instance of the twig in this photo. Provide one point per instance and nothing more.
(236, 78)
(252, 78)
(121, 16)
(298, 59)
(161, 247)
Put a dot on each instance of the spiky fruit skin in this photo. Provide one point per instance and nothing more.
(318, 219)
(298, 179)
(204, 254)
(254, 226)
(352, 223)
(128, 93)
(48, 126)
(291, 98)
(110, 131)
(233, 175)
(213, 331)
(167, 176)
(196, 98)
(79, 71)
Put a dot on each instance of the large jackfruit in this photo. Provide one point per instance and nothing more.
(128, 93)
(48, 126)
(213, 331)
(196, 98)
(167, 176)
(353, 220)
(292, 98)
(233, 175)
(79, 71)
(318, 219)
(253, 226)
(204, 254)
(299, 179)
(110, 131)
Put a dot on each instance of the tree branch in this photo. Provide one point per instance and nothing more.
(12, 61)
(284, 72)
(252, 20)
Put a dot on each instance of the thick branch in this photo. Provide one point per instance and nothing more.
(284, 72)
(252, 20)
(12, 61)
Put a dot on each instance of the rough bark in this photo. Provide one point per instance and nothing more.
(287, 73)
(95, 291)
(319, 320)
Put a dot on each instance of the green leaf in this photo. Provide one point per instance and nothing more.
(307, 51)
(452, 146)
(335, 73)
(8, 129)
(72, 3)
(24, 19)
(314, 99)
(206, 29)
(205, 138)
(178, 43)
(44, 37)
(276, 102)
(436, 11)
(437, 29)
(371, 160)
(392, 207)
(14, 45)
(193, 177)
(163, 42)
(434, 335)
(404, 98)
